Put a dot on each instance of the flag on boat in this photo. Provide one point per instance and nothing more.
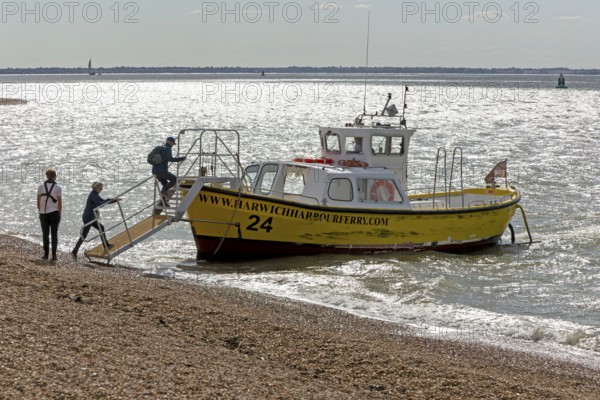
(499, 171)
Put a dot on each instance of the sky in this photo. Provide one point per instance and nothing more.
(264, 33)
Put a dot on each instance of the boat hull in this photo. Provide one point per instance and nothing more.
(229, 225)
(210, 248)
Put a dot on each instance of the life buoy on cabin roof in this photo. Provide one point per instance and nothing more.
(320, 160)
(382, 190)
(353, 163)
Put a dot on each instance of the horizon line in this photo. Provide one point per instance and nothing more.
(305, 69)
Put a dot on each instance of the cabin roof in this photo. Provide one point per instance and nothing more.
(334, 169)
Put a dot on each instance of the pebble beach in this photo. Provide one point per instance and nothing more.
(74, 330)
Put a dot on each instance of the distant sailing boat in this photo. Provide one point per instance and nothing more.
(90, 68)
(561, 82)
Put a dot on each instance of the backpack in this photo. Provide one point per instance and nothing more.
(155, 156)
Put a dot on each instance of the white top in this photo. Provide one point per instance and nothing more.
(46, 204)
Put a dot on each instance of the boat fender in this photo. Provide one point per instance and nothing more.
(377, 194)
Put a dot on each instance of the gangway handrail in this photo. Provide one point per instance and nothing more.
(151, 204)
(124, 220)
(112, 227)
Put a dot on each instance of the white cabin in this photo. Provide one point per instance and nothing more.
(378, 146)
(309, 183)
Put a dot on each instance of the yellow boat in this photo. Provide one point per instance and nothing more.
(354, 198)
(232, 224)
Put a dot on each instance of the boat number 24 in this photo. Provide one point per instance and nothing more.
(256, 224)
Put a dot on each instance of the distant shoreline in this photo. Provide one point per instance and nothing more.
(298, 70)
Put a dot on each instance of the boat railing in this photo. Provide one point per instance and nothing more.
(462, 190)
(441, 151)
(438, 205)
(211, 153)
(214, 151)
(419, 191)
(476, 203)
(447, 183)
(424, 200)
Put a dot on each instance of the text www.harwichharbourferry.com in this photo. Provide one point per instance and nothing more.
(293, 213)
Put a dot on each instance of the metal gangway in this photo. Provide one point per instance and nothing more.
(212, 158)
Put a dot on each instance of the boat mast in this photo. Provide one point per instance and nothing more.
(366, 65)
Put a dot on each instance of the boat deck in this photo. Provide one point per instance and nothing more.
(470, 198)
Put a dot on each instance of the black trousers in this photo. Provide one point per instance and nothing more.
(84, 233)
(167, 179)
(50, 224)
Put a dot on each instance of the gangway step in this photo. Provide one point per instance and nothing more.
(125, 240)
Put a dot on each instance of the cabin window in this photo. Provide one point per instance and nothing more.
(250, 174)
(332, 142)
(354, 145)
(340, 189)
(266, 179)
(387, 145)
(294, 180)
(396, 145)
(378, 191)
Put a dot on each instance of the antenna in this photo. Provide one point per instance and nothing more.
(367, 62)
(404, 107)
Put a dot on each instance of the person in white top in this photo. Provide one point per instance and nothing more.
(49, 205)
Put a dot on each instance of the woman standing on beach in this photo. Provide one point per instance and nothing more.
(93, 201)
(49, 205)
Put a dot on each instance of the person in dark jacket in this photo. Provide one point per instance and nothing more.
(161, 170)
(93, 201)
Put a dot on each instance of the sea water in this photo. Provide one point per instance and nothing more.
(543, 297)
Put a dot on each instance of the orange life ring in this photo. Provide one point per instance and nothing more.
(353, 163)
(383, 190)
